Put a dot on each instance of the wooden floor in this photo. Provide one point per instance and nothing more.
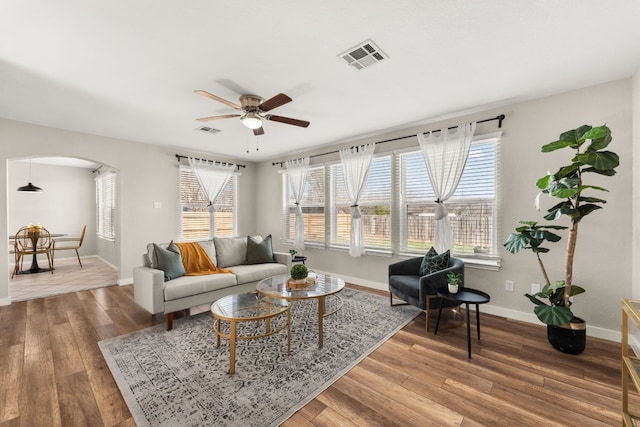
(53, 374)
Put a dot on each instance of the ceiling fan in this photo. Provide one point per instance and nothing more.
(253, 109)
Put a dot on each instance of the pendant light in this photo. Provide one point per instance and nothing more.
(30, 187)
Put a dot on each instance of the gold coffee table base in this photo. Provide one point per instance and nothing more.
(248, 308)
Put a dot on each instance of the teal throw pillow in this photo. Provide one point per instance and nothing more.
(433, 262)
(259, 252)
(169, 261)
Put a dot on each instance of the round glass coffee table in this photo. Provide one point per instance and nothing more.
(248, 307)
(320, 288)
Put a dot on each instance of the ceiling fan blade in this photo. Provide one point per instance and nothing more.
(275, 102)
(217, 98)
(288, 120)
(259, 131)
(226, 116)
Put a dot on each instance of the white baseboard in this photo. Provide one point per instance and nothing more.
(592, 331)
(125, 281)
(5, 301)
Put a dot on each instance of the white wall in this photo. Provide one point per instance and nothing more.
(635, 197)
(146, 174)
(65, 206)
(604, 254)
(603, 260)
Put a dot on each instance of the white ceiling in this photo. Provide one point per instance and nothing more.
(128, 69)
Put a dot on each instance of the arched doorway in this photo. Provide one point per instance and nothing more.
(67, 203)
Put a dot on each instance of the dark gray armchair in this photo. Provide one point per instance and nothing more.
(420, 291)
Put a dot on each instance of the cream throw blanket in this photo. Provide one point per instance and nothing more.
(196, 261)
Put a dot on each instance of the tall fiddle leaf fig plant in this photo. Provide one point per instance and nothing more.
(567, 184)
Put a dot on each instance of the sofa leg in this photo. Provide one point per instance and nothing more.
(169, 321)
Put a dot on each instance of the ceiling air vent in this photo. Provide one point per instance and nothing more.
(207, 129)
(363, 55)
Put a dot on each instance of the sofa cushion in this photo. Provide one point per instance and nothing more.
(433, 262)
(169, 261)
(210, 248)
(406, 284)
(152, 260)
(187, 286)
(259, 252)
(230, 251)
(256, 272)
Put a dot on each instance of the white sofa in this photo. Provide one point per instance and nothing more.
(156, 295)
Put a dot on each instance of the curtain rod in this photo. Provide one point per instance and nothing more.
(178, 156)
(499, 118)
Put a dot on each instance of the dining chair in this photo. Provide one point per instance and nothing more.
(68, 243)
(32, 241)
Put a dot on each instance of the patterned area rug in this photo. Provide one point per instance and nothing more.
(180, 378)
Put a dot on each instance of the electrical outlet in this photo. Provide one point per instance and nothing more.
(535, 288)
(508, 286)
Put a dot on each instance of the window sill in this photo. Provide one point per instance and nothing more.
(477, 263)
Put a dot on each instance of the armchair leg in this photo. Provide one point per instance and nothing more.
(429, 298)
(396, 304)
(169, 321)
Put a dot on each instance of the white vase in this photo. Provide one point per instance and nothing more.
(453, 289)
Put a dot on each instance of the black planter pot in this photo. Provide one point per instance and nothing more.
(570, 338)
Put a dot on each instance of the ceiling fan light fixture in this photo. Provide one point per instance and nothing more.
(251, 120)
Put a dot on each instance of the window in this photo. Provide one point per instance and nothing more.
(375, 206)
(312, 207)
(106, 205)
(472, 208)
(196, 211)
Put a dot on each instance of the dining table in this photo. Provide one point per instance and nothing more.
(35, 268)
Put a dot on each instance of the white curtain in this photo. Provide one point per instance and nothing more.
(297, 170)
(445, 155)
(212, 179)
(356, 162)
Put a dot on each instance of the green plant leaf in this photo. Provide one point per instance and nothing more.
(535, 300)
(587, 209)
(553, 315)
(599, 160)
(608, 172)
(600, 137)
(582, 132)
(556, 145)
(591, 200)
(516, 242)
(565, 193)
(543, 182)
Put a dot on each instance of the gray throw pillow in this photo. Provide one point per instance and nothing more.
(259, 252)
(169, 261)
(230, 251)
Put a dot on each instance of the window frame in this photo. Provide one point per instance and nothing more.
(288, 206)
(364, 202)
(203, 203)
(489, 260)
(106, 205)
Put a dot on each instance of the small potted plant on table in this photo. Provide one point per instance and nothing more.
(453, 281)
(299, 273)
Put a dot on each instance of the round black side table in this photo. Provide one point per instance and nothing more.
(299, 258)
(465, 296)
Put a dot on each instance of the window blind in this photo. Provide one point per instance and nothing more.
(375, 206)
(106, 205)
(196, 213)
(472, 208)
(313, 207)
